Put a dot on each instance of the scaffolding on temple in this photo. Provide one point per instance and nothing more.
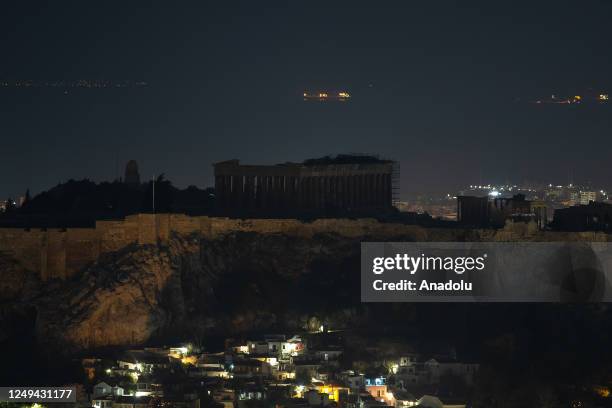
(341, 185)
(395, 184)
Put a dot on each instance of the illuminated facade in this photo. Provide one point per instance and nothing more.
(583, 197)
(377, 388)
(334, 391)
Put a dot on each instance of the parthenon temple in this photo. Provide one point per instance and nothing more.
(341, 184)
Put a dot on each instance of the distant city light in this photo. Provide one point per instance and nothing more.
(73, 83)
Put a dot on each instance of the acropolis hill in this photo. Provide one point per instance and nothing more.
(137, 280)
(61, 253)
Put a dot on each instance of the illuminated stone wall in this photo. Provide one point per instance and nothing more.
(60, 253)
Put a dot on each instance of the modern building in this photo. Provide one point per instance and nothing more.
(493, 212)
(345, 184)
(594, 216)
(583, 197)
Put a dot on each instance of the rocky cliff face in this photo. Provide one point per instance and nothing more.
(15, 282)
(193, 287)
(18, 291)
(237, 283)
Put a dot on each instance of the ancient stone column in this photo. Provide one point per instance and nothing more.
(311, 193)
(249, 193)
(386, 190)
(237, 191)
(301, 190)
(352, 191)
(370, 190)
(342, 192)
(377, 190)
(228, 191)
(278, 190)
(326, 191)
(319, 191)
(364, 190)
(333, 191)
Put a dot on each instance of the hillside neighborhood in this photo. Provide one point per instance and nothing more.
(302, 370)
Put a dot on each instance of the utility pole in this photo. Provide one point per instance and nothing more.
(153, 194)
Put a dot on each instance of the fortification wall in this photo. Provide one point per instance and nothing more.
(61, 253)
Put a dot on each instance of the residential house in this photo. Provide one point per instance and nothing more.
(103, 389)
(403, 399)
(306, 369)
(249, 392)
(353, 380)
(247, 368)
(377, 388)
(102, 402)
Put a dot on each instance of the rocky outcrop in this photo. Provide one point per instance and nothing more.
(189, 286)
(16, 282)
(240, 282)
(19, 288)
(123, 299)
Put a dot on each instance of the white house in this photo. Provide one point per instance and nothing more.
(258, 347)
(102, 402)
(144, 389)
(103, 389)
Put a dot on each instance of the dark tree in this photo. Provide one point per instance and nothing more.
(159, 194)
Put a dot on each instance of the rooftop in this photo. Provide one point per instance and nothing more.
(346, 159)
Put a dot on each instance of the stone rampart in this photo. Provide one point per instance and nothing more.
(60, 253)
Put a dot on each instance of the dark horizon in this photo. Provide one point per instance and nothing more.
(441, 88)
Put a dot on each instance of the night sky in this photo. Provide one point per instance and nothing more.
(434, 85)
